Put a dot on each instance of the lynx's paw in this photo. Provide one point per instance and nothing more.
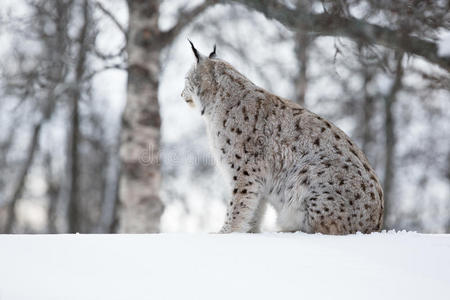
(225, 229)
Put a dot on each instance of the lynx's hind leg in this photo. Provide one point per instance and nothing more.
(258, 216)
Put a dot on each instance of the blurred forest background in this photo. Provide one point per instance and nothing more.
(94, 136)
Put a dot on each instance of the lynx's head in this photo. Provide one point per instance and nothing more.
(200, 79)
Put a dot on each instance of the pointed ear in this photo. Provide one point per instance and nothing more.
(197, 55)
(213, 54)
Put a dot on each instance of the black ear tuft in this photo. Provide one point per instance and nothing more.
(197, 55)
(213, 54)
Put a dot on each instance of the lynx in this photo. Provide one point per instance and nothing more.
(275, 151)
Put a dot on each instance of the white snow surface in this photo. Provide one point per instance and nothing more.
(389, 265)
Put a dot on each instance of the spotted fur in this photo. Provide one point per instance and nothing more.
(275, 151)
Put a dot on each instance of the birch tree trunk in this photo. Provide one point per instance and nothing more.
(140, 180)
(141, 207)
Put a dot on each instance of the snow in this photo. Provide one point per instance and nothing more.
(236, 266)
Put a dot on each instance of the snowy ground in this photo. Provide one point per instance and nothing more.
(236, 266)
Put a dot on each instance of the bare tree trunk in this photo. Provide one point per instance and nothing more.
(114, 221)
(447, 177)
(74, 164)
(141, 206)
(108, 216)
(20, 183)
(390, 144)
(73, 217)
(52, 194)
(368, 111)
(45, 105)
(5, 145)
(302, 41)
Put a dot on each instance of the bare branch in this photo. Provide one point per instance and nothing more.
(358, 30)
(105, 68)
(112, 17)
(184, 19)
(108, 56)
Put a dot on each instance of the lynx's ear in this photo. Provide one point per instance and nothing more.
(213, 54)
(198, 56)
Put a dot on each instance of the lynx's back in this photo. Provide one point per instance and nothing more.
(273, 150)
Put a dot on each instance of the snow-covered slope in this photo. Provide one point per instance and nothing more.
(237, 266)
